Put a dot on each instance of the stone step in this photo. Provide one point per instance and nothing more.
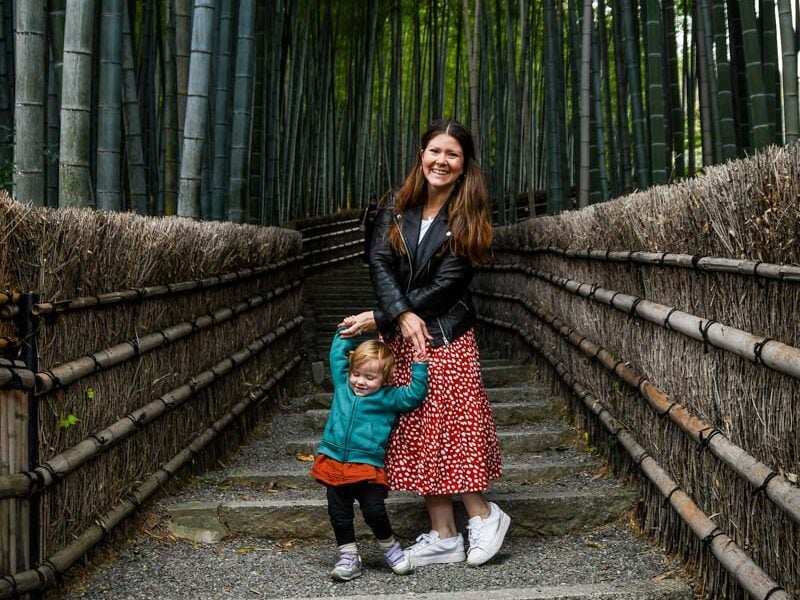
(535, 393)
(535, 512)
(500, 375)
(550, 435)
(650, 589)
(542, 467)
(505, 413)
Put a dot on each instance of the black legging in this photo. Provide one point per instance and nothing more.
(370, 497)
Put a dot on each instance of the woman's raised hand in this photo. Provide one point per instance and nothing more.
(357, 324)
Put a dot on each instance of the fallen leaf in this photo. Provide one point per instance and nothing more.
(304, 457)
(592, 544)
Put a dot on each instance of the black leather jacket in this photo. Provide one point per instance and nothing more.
(430, 282)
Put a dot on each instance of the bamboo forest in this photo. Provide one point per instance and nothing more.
(263, 112)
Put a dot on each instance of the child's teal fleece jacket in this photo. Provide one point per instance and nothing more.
(358, 427)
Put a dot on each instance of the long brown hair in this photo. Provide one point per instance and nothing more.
(468, 205)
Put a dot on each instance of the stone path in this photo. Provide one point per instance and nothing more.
(258, 528)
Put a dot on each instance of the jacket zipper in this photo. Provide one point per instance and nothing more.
(444, 337)
(408, 254)
(350, 428)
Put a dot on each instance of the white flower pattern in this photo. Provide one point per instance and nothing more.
(449, 444)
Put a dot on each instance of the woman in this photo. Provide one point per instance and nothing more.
(429, 237)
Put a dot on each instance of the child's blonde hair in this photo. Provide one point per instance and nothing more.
(370, 350)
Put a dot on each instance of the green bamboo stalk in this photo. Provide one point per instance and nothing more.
(29, 112)
(75, 185)
(134, 153)
(221, 158)
(789, 55)
(109, 113)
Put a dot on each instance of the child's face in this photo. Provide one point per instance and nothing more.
(367, 378)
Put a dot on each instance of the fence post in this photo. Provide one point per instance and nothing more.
(19, 442)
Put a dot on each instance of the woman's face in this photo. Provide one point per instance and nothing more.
(442, 162)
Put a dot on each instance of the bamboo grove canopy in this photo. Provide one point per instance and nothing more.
(269, 111)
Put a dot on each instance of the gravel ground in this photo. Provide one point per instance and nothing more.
(147, 568)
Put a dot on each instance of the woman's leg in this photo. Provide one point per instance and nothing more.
(488, 526)
(475, 504)
(440, 511)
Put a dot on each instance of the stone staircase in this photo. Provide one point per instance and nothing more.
(258, 526)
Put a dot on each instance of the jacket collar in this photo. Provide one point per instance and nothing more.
(438, 233)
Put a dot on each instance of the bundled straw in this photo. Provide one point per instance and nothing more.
(745, 209)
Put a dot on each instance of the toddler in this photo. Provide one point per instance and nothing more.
(350, 455)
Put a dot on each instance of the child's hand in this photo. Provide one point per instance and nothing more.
(421, 357)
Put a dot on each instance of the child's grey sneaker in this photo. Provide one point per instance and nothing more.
(486, 535)
(348, 567)
(430, 549)
(397, 560)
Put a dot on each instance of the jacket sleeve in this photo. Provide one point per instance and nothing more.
(340, 365)
(411, 396)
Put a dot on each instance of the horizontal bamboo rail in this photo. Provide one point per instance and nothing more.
(757, 349)
(9, 343)
(16, 376)
(746, 572)
(9, 311)
(135, 294)
(46, 574)
(780, 491)
(754, 268)
(332, 261)
(9, 297)
(70, 372)
(305, 230)
(330, 234)
(54, 469)
(329, 249)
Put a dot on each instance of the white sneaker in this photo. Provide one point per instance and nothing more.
(398, 560)
(430, 549)
(486, 535)
(348, 567)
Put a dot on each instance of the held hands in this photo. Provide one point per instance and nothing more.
(415, 331)
(357, 324)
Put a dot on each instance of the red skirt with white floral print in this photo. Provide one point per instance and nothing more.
(449, 444)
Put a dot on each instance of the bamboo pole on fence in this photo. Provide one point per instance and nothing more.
(714, 264)
(67, 373)
(14, 512)
(330, 234)
(134, 294)
(759, 350)
(14, 375)
(304, 230)
(54, 469)
(746, 572)
(762, 477)
(9, 297)
(330, 249)
(332, 261)
(46, 574)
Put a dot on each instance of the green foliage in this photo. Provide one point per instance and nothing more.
(68, 421)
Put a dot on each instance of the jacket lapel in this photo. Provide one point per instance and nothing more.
(438, 234)
(410, 220)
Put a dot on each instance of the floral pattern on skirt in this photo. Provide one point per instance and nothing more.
(449, 444)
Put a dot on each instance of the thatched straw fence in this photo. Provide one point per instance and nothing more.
(135, 349)
(671, 316)
(330, 240)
